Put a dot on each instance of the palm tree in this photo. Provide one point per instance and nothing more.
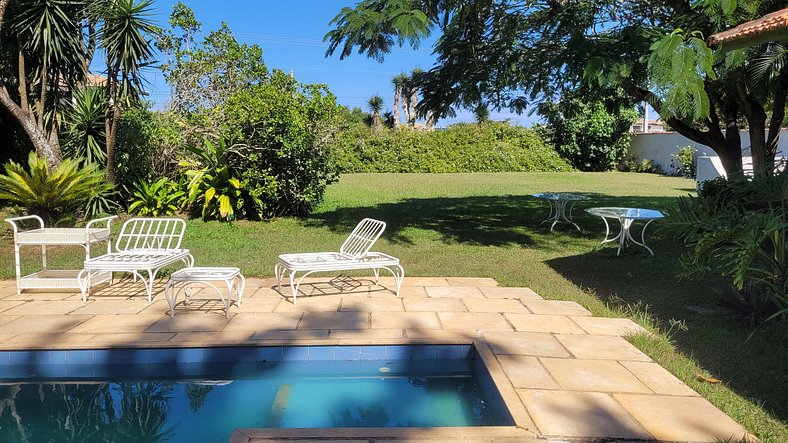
(410, 96)
(399, 82)
(375, 104)
(128, 49)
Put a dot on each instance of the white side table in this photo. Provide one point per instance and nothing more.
(183, 280)
(57, 278)
(558, 203)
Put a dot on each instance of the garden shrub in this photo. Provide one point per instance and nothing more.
(632, 164)
(491, 147)
(737, 228)
(587, 135)
(156, 198)
(686, 162)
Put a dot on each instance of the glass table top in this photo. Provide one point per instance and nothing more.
(630, 213)
(561, 196)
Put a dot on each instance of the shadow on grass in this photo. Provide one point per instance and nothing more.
(482, 220)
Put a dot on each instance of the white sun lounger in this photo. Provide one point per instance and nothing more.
(144, 245)
(353, 254)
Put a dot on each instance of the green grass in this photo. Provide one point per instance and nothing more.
(487, 225)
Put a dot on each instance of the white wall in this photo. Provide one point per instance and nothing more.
(659, 147)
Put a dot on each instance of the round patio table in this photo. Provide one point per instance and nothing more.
(625, 217)
(558, 204)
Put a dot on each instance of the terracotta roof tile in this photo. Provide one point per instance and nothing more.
(768, 23)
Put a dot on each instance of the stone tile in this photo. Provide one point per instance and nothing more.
(335, 320)
(434, 304)
(298, 334)
(116, 324)
(323, 303)
(494, 305)
(454, 291)
(41, 295)
(45, 308)
(681, 418)
(188, 322)
(371, 304)
(555, 307)
(260, 304)
(602, 347)
(608, 326)
(580, 415)
(472, 281)
(405, 320)
(262, 321)
(658, 379)
(500, 292)
(439, 334)
(42, 324)
(130, 339)
(366, 333)
(7, 318)
(424, 281)
(160, 307)
(412, 291)
(53, 340)
(112, 307)
(526, 372)
(525, 343)
(593, 375)
(473, 321)
(558, 324)
(8, 304)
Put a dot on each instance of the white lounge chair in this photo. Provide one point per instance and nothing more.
(144, 244)
(353, 254)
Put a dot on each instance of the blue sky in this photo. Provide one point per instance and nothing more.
(291, 34)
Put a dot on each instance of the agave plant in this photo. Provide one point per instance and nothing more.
(54, 195)
(157, 198)
(212, 181)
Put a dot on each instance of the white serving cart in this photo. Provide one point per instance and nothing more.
(95, 231)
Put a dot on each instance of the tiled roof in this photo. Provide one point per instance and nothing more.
(769, 23)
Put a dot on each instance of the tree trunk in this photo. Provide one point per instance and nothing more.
(111, 138)
(29, 125)
(396, 106)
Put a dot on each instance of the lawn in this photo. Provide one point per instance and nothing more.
(487, 225)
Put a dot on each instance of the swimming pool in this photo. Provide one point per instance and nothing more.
(204, 394)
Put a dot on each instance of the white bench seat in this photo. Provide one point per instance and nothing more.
(143, 245)
(354, 254)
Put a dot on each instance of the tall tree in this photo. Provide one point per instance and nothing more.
(513, 53)
(398, 81)
(375, 104)
(124, 37)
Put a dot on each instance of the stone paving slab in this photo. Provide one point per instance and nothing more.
(561, 372)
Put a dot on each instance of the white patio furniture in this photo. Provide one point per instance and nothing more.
(143, 245)
(184, 280)
(47, 278)
(353, 254)
(625, 217)
(558, 207)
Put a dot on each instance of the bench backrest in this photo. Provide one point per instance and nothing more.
(360, 241)
(150, 234)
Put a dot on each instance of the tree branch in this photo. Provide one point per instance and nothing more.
(778, 109)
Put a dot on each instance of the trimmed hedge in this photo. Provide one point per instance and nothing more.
(490, 147)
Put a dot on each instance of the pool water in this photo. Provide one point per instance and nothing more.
(207, 400)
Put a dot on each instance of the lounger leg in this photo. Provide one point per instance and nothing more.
(240, 290)
(83, 285)
(293, 286)
(278, 273)
(400, 279)
(169, 294)
(377, 274)
(149, 285)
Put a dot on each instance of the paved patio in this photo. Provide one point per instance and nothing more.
(563, 373)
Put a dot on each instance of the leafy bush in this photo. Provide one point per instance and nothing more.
(492, 147)
(283, 129)
(83, 121)
(631, 164)
(56, 196)
(687, 162)
(213, 187)
(157, 198)
(587, 135)
(737, 228)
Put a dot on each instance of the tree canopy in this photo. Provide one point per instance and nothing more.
(515, 53)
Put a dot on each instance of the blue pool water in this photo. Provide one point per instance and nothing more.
(204, 394)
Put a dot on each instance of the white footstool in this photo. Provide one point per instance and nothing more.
(184, 279)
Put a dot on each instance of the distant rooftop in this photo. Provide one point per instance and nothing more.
(770, 27)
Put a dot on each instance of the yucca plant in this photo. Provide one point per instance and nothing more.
(84, 125)
(54, 195)
(156, 198)
(213, 184)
